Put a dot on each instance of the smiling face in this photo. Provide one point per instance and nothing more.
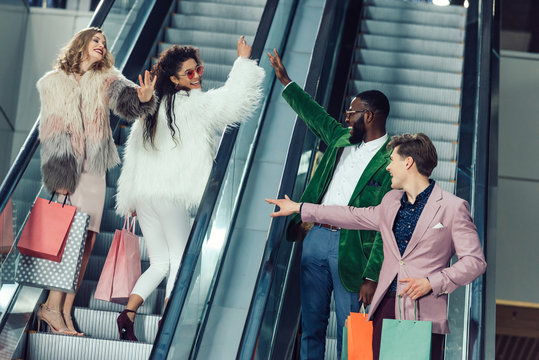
(96, 48)
(398, 169)
(355, 119)
(182, 80)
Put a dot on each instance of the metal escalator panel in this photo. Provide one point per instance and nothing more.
(413, 52)
(122, 21)
(191, 301)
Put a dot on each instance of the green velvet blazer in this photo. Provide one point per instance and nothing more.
(360, 252)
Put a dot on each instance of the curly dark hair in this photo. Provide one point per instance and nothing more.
(169, 63)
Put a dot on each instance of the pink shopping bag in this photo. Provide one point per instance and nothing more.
(45, 233)
(127, 269)
(122, 266)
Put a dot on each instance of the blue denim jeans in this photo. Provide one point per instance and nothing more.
(319, 277)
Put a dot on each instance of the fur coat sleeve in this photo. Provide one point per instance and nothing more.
(232, 103)
(124, 101)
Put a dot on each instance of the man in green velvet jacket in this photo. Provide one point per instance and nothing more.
(351, 172)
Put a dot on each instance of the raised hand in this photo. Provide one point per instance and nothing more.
(280, 70)
(145, 91)
(244, 50)
(287, 206)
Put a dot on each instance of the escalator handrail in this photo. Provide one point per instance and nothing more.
(203, 217)
(259, 300)
(31, 143)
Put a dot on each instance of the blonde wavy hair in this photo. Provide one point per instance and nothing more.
(72, 55)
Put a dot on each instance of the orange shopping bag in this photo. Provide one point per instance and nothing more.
(359, 337)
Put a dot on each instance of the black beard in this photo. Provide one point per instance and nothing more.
(358, 131)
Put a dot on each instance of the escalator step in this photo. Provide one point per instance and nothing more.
(445, 171)
(104, 240)
(221, 25)
(434, 130)
(210, 54)
(240, 12)
(411, 93)
(331, 332)
(422, 6)
(95, 267)
(102, 324)
(449, 186)
(113, 174)
(408, 60)
(44, 346)
(85, 298)
(203, 38)
(409, 45)
(414, 31)
(393, 75)
(331, 349)
(111, 221)
(413, 111)
(415, 16)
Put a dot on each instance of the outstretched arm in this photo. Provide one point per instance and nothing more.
(286, 206)
(316, 117)
(236, 100)
(346, 217)
(130, 101)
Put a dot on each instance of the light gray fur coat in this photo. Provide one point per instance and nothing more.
(74, 123)
(178, 170)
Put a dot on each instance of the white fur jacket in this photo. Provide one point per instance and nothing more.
(178, 170)
(74, 123)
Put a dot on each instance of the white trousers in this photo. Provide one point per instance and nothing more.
(165, 227)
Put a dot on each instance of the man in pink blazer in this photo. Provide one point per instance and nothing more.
(422, 227)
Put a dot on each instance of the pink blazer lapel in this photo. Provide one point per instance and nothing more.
(427, 215)
(393, 209)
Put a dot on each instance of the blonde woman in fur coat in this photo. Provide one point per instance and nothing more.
(168, 159)
(76, 139)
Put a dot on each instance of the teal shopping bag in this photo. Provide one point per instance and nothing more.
(344, 350)
(405, 339)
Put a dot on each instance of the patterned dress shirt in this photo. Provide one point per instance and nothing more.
(406, 221)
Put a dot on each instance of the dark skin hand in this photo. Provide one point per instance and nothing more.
(280, 70)
(366, 291)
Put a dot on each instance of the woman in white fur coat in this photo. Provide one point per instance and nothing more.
(168, 159)
(76, 140)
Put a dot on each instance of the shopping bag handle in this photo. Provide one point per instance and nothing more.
(362, 309)
(130, 225)
(415, 308)
(65, 198)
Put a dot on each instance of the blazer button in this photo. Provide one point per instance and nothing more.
(401, 262)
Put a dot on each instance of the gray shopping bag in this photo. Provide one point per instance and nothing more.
(63, 275)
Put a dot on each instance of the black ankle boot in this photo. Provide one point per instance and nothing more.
(125, 326)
